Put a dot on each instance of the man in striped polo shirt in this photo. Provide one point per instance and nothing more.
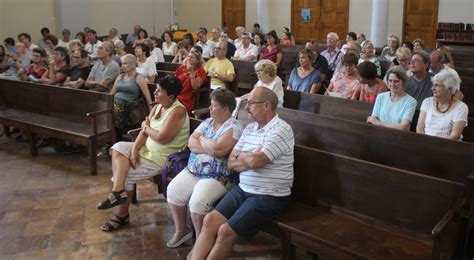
(264, 157)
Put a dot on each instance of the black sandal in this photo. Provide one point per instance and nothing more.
(115, 198)
(115, 222)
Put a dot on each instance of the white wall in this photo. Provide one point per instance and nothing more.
(250, 14)
(18, 16)
(31, 15)
(152, 15)
(193, 14)
(455, 11)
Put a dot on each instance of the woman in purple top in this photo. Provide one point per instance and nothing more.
(272, 51)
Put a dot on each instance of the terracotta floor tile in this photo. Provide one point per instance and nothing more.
(128, 247)
(15, 215)
(35, 228)
(23, 244)
(66, 223)
(66, 240)
(13, 229)
(48, 211)
(93, 236)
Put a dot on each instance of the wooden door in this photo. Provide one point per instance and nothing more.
(420, 19)
(335, 18)
(325, 16)
(309, 29)
(233, 15)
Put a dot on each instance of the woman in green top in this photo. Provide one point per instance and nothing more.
(131, 97)
(165, 131)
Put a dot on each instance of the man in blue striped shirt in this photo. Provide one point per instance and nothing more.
(264, 157)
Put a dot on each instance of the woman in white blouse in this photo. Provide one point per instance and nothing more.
(443, 115)
(169, 46)
(146, 65)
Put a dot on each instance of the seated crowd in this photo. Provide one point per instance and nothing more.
(239, 169)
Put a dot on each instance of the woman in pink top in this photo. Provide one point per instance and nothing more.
(370, 85)
(272, 51)
(344, 84)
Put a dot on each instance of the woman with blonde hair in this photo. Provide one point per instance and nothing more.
(193, 76)
(131, 96)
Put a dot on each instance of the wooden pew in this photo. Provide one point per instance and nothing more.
(77, 116)
(433, 156)
(345, 208)
(330, 106)
(168, 58)
(290, 56)
(245, 76)
(344, 177)
(351, 109)
(166, 68)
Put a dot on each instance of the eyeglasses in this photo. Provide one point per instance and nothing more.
(219, 49)
(251, 102)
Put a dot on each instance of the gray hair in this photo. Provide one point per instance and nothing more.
(240, 29)
(450, 80)
(109, 47)
(225, 98)
(268, 95)
(129, 58)
(333, 35)
(266, 66)
(119, 44)
(400, 73)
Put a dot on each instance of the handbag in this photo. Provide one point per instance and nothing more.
(174, 164)
(129, 115)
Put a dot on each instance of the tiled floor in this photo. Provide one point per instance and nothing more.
(47, 211)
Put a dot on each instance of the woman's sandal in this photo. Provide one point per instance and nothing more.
(115, 198)
(115, 222)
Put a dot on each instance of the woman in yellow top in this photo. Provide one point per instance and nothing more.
(165, 131)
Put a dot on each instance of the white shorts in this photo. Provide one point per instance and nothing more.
(201, 194)
(145, 168)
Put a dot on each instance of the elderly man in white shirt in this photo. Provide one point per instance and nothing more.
(206, 45)
(248, 51)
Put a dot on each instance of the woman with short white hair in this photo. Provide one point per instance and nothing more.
(443, 115)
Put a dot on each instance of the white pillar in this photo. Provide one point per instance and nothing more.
(263, 16)
(378, 31)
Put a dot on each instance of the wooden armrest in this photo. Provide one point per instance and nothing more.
(95, 113)
(199, 112)
(447, 217)
(470, 177)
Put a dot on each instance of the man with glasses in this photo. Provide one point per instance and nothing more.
(206, 45)
(80, 70)
(352, 47)
(248, 51)
(220, 69)
(230, 46)
(264, 158)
